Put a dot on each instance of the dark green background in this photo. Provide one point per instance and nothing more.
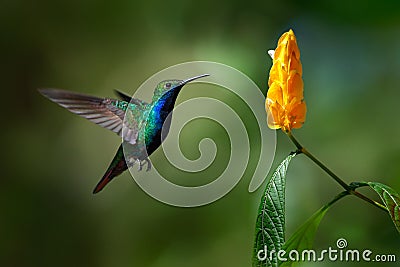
(52, 159)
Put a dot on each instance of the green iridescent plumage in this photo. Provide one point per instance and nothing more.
(140, 124)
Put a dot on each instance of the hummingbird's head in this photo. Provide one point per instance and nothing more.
(172, 86)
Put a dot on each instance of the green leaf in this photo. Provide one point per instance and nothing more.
(391, 199)
(303, 238)
(270, 224)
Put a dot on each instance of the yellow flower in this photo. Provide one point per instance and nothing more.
(285, 106)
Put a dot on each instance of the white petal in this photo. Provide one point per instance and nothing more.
(271, 53)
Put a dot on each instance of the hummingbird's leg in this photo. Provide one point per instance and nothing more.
(142, 162)
(140, 165)
(148, 164)
(131, 162)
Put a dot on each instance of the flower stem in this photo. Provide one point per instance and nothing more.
(348, 188)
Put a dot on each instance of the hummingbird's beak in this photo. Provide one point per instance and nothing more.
(194, 78)
(179, 87)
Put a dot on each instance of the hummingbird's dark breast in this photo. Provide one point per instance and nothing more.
(158, 121)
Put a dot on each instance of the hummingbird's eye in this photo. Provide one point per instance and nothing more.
(167, 85)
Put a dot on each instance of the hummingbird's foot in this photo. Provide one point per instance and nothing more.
(131, 162)
(148, 165)
(142, 162)
(140, 165)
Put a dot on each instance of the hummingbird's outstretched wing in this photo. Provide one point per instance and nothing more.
(106, 112)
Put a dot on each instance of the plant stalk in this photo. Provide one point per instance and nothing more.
(347, 187)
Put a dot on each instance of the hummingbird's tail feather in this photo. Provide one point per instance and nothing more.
(103, 182)
(102, 111)
(123, 96)
(117, 166)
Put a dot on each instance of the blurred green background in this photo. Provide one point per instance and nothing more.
(52, 159)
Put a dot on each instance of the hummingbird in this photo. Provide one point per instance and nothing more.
(143, 126)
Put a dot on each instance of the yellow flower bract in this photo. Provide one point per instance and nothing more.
(284, 104)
